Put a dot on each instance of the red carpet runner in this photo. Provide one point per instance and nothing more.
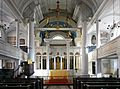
(58, 81)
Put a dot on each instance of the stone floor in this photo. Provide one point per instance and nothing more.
(58, 87)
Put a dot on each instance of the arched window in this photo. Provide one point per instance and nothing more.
(77, 60)
(44, 53)
(93, 40)
(77, 53)
(51, 63)
(71, 60)
(44, 60)
(65, 53)
(71, 53)
(64, 61)
(11, 40)
(38, 53)
(58, 37)
(22, 41)
(38, 60)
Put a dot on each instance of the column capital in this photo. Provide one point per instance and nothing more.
(31, 20)
(68, 40)
(98, 20)
(84, 20)
(84, 24)
(17, 20)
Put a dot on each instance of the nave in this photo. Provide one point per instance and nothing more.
(60, 44)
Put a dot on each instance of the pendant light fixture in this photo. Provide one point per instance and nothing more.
(114, 24)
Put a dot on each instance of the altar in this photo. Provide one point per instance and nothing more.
(59, 74)
(59, 77)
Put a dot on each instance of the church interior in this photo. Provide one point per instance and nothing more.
(60, 44)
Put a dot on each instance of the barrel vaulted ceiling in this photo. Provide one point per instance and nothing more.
(78, 10)
(39, 9)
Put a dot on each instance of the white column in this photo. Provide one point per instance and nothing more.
(84, 64)
(61, 62)
(74, 61)
(47, 49)
(118, 66)
(41, 62)
(31, 45)
(0, 64)
(97, 46)
(68, 58)
(17, 34)
(54, 63)
(98, 43)
(98, 66)
(42, 59)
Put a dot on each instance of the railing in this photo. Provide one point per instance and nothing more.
(70, 78)
(57, 79)
(109, 48)
(8, 50)
(112, 47)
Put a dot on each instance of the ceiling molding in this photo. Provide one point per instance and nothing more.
(39, 11)
(14, 9)
(89, 5)
(94, 2)
(97, 14)
(25, 5)
(76, 11)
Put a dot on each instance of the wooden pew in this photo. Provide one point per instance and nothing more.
(38, 81)
(34, 83)
(15, 87)
(84, 83)
(97, 85)
(102, 86)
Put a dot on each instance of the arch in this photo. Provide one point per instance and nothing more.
(50, 53)
(25, 5)
(29, 12)
(71, 53)
(89, 6)
(44, 53)
(22, 41)
(38, 53)
(72, 22)
(58, 33)
(65, 53)
(77, 53)
(86, 10)
(58, 37)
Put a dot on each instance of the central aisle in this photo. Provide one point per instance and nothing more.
(59, 87)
